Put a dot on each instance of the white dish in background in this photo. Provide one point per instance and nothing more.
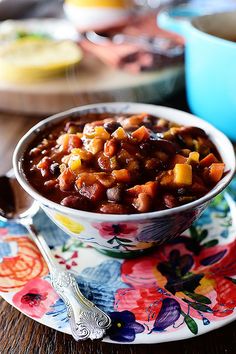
(95, 17)
(58, 29)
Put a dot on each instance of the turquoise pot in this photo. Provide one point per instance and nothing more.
(210, 64)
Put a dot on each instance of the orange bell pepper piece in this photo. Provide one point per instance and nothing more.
(216, 171)
(208, 160)
(141, 133)
(121, 175)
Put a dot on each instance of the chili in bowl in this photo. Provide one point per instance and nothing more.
(124, 177)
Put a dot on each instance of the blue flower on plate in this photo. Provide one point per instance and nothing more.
(124, 326)
(168, 315)
(59, 313)
(5, 250)
(98, 284)
(13, 228)
(224, 233)
(8, 249)
(53, 235)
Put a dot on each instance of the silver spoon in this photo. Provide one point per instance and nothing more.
(86, 320)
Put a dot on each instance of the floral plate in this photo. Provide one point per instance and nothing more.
(185, 288)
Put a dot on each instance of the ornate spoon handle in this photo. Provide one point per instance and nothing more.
(86, 320)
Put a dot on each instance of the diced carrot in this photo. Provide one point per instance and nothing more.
(105, 179)
(183, 174)
(110, 147)
(44, 166)
(69, 141)
(134, 120)
(208, 160)
(122, 175)
(85, 178)
(74, 141)
(44, 163)
(167, 179)
(178, 159)
(137, 118)
(134, 191)
(141, 133)
(216, 171)
(94, 192)
(66, 179)
(149, 188)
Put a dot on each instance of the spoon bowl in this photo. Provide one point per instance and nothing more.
(15, 203)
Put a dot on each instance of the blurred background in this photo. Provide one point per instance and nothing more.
(57, 54)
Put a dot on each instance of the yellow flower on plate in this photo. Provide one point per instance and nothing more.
(206, 286)
(70, 224)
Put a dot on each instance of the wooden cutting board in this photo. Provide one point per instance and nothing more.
(91, 82)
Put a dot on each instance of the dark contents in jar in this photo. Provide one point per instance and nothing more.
(122, 164)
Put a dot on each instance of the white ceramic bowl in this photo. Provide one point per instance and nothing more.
(126, 235)
(86, 18)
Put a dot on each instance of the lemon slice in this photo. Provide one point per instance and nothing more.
(34, 58)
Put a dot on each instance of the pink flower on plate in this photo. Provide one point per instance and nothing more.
(36, 298)
(112, 230)
(3, 232)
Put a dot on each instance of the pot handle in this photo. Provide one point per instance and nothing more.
(177, 19)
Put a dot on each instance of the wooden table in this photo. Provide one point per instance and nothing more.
(21, 335)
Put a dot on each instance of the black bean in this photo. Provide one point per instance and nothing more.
(111, 126)
(55, 169)
(193, 131)
(146, 147)
(181, 191)
(166, 146)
